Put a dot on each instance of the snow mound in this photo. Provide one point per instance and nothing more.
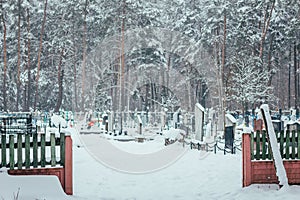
(44, 187)
(57, 120)
(174, 133)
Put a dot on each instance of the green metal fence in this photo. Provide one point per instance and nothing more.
(32, 151)
(288, 143)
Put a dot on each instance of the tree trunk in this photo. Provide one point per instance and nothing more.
(39, 56)
(224, 49)
(84, 57)
(60, 75)
(269, 60)
(265, 29)
(223, 67)
(28, 87)
(295, 76)
(75, 78)
(19, 57)
(122, 94)
(289, 82)
(4, 60)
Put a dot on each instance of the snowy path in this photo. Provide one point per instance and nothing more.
(109, 155)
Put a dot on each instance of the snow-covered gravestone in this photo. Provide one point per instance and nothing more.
(176, 119)
(230, 123)
(280, 170)
(199, 120)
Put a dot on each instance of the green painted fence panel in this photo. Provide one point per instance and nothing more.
(26, 151)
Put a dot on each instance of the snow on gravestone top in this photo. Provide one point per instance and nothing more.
(280, 170)
(57, 120)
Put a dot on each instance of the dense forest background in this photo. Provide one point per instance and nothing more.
(149, 55)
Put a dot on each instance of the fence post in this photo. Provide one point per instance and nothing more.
(287, 145)
(27, 151)
(35, 150)
(246, 150)
(11, 152)
(264, 150)
(62, 149)
(257, 156)
(53, 153)
(3, 152)
(281, 139)
(43, 149)
(68, 165)
(293, 144)
(19, 151)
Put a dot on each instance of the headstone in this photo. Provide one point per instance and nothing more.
(175, 119)
(199, 121)
(110, 121)
(230, 123)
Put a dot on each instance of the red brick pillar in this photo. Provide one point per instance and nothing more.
(246, 149)
(69, 166)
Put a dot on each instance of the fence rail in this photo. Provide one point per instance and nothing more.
(288, 142)
(29, 151)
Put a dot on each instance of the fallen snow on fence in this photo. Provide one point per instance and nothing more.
(280, 170)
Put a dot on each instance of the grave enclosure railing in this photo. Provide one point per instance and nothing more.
(258, 165)
(26, 151)
(288, 143)
(33, 154)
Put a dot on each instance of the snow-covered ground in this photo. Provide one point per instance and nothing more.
(194, 175)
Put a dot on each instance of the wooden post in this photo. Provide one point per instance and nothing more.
(257, 145)
(27, 151)
(264, 145)
(53, 154)
(20, 160)
(68, 165)
(287, 145)
(293, 145)
(62, 149)
(35, 150)
(3, 150)
(43, 149)
(11, 152)
(246, 150)
(281, 143)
